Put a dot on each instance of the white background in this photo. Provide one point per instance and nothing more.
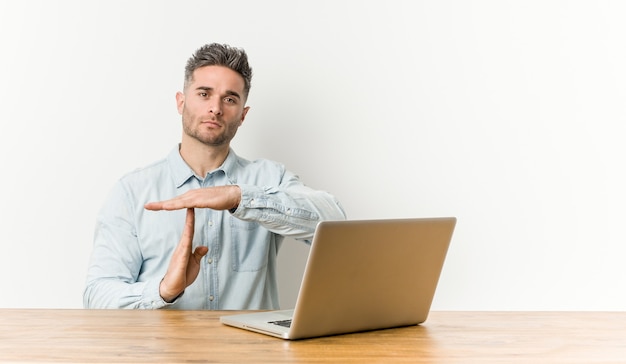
(508, 115)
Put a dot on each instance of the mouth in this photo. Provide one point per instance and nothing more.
(211, 123)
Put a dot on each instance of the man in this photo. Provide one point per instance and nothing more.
(216, 247)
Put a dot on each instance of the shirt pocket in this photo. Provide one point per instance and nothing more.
(251, 246)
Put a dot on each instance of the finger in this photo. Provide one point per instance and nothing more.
(193, 268)
(176, 203)
(183, 249)
(153, 206)
(173, 204)
(187, 237)
(200, 252)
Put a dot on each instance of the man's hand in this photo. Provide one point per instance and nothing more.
(184, 265)
(216, 198)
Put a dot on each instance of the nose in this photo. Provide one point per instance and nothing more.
(215, 107)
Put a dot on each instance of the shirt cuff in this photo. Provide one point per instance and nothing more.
(153, 299)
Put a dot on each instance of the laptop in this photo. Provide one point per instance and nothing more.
(361, 275)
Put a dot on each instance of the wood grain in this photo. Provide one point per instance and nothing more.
(162, 336)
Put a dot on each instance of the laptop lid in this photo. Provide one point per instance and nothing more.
(362, 275)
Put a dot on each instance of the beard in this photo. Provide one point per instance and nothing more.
(192, 127)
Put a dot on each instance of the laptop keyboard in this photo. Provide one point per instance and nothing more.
(285, 323)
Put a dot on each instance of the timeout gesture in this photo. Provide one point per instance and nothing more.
(216, 198)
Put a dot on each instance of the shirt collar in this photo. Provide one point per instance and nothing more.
(181, 171)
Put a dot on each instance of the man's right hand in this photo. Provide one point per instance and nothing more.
(184, 264)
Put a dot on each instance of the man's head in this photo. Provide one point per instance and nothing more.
(215, 54)
(213, 103)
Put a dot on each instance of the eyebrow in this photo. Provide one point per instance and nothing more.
(228, 92)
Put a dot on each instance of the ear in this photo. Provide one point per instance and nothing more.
(180, 102)
(243, 114)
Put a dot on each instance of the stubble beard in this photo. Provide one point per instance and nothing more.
(214, 140)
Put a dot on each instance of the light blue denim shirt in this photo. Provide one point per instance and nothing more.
(132, 245)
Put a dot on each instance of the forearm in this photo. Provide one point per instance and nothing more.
(108, 293)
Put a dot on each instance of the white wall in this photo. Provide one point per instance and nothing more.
(508, 115)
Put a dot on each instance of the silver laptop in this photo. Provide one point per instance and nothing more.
(361, 275)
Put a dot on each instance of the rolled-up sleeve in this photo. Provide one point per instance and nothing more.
(289, 209)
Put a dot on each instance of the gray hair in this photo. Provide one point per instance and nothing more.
(215, 54)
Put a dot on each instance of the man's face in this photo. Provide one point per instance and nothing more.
(213, 105)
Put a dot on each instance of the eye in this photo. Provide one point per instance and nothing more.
(230, 100)
(203, 94)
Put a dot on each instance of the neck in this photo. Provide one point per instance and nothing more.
(202, 158)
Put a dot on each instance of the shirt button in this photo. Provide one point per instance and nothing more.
(210, 260)
(210, 223)
(211, 298)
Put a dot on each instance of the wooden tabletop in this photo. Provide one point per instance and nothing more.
(164, 336)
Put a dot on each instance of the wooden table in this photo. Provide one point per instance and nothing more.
(123, 336)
